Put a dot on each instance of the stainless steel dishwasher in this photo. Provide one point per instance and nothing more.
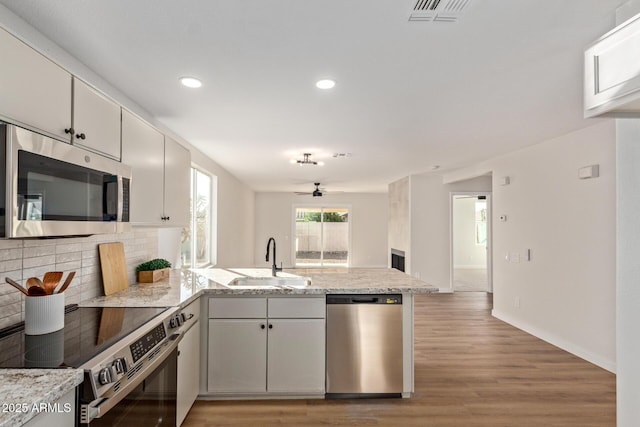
(364, 346)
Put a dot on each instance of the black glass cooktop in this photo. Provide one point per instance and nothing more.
(87, 332)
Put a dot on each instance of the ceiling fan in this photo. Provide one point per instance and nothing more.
(315, 193)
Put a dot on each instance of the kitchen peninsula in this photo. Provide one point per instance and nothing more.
(187, 286)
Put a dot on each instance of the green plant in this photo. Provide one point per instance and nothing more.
(154, 264)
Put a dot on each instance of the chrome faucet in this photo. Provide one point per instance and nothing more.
(274, 267)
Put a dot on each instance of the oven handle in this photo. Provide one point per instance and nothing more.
(113, 398)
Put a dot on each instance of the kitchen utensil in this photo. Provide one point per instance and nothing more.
(34, 281)
(16, 285)
(51, 280)
(66, 283)
(36, 291)
(114, 267)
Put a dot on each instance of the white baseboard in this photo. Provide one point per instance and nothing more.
(565, 345)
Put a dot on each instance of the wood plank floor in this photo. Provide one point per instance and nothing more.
(470, 370)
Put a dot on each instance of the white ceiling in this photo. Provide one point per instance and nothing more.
(409, 95)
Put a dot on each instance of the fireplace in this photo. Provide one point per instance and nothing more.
(397, 259)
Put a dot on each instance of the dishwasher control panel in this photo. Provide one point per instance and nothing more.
(364, 299)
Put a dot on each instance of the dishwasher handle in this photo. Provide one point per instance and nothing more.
(386, 299)
(373, 300)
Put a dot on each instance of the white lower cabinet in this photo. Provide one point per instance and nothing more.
(267, 351)
(296, 352)
(237, 355)
(60, 413)
(188, 372)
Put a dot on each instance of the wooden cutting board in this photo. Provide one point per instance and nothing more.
(114, 267)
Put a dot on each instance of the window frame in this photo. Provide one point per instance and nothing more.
(212, 226)
(321, 207)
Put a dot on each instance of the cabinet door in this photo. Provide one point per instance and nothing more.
(296, 360)
(64, 415)
(143, 150)
(33, 90)
(188, 372)
(611, 73)
(177, 183)
(96, 121)
(237, 356)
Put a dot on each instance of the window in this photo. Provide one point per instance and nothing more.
(197, 238)
(322, 237)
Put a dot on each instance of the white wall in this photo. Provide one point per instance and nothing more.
(367, 216)
(466, 253)
(628, 272)
(430, 230)
(566, 292)
(235, 201)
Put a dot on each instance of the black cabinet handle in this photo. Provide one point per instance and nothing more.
(81, 136)
(270, 326)
(69, 131)
(262, 326)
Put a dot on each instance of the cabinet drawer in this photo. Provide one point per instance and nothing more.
(237, 308)
(301, 308)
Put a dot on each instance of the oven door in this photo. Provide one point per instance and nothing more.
(150, 403)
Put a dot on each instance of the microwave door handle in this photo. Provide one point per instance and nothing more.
(109, 202)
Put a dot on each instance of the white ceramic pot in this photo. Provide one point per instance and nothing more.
(43, 314)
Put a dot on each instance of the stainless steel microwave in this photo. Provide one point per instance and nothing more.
(51, 188)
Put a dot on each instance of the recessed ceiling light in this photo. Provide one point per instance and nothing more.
(191, 82)
(325, 84)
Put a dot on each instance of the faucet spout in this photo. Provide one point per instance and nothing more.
(274, 266)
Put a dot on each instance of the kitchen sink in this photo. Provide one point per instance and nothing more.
(270, 282)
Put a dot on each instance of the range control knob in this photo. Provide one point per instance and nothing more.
(172, 323)
(119, 365)
(105, 376)
(179, 320)
(183, 317)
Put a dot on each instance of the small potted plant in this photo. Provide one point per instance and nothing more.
(154, 270)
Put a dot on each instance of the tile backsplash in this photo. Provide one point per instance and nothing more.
(21, 259)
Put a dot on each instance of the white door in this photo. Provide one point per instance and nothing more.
(33, 90)
(188, 372)
(177, 182)
(296, 355)
(237, 356)
(143, 150)
(96, 121)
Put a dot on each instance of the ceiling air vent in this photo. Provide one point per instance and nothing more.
(438, 10)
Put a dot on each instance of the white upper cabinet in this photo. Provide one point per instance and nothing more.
(34, 92)
(143, 151)
(177, 183)
(160, 174)
(96, 121)
(612, 73)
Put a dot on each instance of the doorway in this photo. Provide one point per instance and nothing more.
(471, 242)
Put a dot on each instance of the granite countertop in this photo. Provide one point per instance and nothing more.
(23, 391)
(185, 285)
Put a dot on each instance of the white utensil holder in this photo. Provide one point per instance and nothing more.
(43, 314)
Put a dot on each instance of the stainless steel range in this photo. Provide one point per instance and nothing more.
(129, 357)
